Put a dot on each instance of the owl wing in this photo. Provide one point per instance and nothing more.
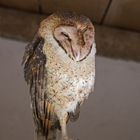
(34, 61)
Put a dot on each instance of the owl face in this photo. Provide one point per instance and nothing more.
(75, 40)
(73, 33)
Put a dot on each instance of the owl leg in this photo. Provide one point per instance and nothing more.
(63, 127)
(63, 121)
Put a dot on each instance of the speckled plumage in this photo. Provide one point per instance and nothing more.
(58, 83)
(68, 81)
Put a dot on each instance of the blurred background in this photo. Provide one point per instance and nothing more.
(113, 111)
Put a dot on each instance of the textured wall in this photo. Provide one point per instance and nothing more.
(118, 13)
(124, 13)
(92, 8)
(29, 5)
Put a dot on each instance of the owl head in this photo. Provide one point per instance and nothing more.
(74, 33)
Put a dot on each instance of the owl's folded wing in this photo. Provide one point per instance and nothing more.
(34, 61)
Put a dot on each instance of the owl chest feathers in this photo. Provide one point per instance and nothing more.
(68, 81)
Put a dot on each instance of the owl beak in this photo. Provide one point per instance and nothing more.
(75, 53)
(77, 56)
(80, 53)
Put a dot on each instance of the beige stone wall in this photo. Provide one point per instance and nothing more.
(118, 13)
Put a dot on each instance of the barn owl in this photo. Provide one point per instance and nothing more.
(59, 66)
